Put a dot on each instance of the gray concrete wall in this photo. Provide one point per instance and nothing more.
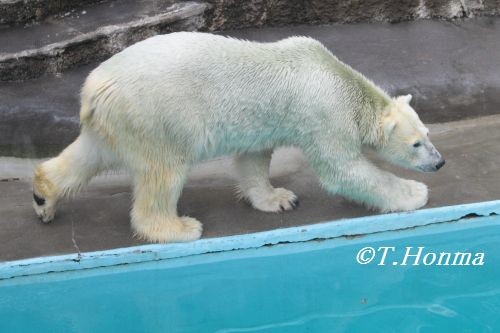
(452, 70)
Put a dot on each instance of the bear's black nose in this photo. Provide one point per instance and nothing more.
(440, 164)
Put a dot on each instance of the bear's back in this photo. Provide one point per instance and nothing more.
(201, 52)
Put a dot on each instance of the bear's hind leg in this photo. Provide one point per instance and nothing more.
(254, 184)
(69, 172)
(154, 214)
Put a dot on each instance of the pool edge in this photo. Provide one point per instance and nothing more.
(323, 230)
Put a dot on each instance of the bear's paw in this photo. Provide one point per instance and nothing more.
(407, 196)
(277, 200)
(168, 229)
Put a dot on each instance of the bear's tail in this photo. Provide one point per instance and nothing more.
(96, 89)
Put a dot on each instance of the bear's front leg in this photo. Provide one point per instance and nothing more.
(363, 182)
(154, 214)
(255, 186)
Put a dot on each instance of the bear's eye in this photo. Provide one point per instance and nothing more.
(417, 144)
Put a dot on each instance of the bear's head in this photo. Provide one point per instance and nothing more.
(405, 138)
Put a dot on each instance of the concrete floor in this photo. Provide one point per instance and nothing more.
(97, 219)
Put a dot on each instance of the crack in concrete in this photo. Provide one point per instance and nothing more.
(75, 245)
(355, 236)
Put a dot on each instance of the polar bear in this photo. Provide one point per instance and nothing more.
(172, 100)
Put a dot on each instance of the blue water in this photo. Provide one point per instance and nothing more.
(305, 287)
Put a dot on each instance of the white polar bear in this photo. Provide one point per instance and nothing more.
(172, 100)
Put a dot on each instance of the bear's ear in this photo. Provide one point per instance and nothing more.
(405, 98)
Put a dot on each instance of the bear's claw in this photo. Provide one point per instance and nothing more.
(39, 201)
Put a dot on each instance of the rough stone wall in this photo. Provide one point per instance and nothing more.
(234, 14)
(13, 12)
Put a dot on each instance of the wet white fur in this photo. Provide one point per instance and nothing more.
(172, 100)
